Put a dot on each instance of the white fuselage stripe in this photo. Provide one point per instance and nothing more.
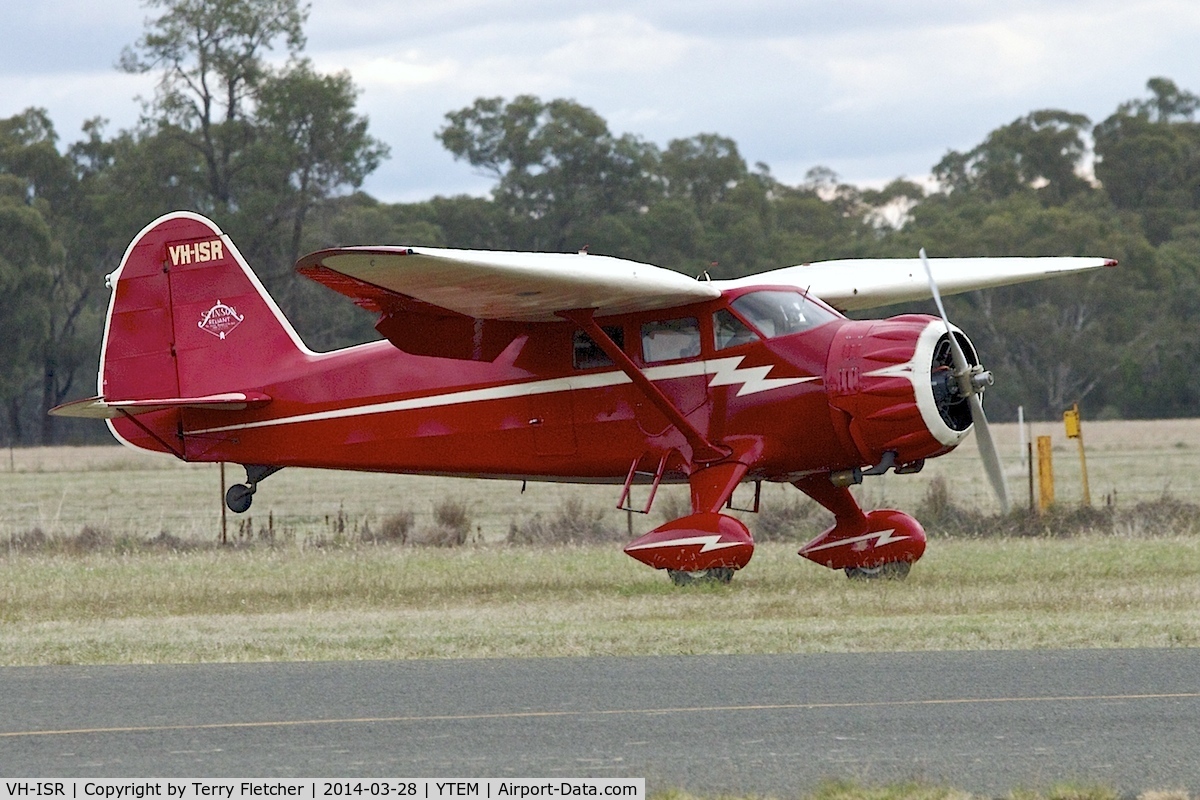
(720, 366)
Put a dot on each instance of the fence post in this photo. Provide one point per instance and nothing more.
(1075, 431)
(1045, 474)
(223, 539)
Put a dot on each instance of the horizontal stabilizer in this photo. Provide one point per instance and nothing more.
(101, 408)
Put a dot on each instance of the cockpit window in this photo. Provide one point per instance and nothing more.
(729, 331)
(670, 339)
(778, 313)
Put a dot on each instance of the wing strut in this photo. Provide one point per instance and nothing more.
(703, 451)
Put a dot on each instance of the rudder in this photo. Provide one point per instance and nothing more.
(187, 318)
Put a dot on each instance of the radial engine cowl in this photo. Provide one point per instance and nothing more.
(894, 380)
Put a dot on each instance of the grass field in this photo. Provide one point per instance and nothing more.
(356, 601)
(302, 584)
(62, 490)
(370, 602)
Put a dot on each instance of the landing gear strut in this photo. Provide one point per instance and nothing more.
(880, 545)
(240, 495)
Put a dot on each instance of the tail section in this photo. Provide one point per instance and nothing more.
(189, 326)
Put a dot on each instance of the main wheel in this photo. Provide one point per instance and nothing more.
(239, 497)
(893, 571)
(715, 575)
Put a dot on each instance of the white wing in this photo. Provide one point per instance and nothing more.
(856, 284)
(487, 284)
(495, 284)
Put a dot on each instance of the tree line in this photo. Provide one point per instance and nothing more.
(277, 155)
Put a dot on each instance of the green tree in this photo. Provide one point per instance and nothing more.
(27, 253)
(557, 165)
(311, 143)
(1168, 103)
(1148, 159)
(1049, 343)
(56, 191)
(1041, 152)
(256, 147)
(209, 55)
(703, 170)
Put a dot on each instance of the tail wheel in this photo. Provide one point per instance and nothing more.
(681, 577)
(891, 571)
(239, 497)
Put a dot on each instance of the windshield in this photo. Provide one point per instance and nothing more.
(780, 312)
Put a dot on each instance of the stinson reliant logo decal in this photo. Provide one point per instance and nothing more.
(220, 320)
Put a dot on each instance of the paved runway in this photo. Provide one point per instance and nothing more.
(987, 722)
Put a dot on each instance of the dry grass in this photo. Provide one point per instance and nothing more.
(111, 558)
(60, 491)
(353, 602)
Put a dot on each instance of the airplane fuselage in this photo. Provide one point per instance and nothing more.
(535, 412)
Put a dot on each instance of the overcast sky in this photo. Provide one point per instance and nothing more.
(874, 89)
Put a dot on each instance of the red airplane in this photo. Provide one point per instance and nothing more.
(562, 367)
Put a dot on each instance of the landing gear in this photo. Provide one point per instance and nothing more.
(241, 495)
(715, 575)
(701, 547)
(889, 541)
(891, 571)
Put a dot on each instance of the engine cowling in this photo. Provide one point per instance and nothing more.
(893, 379)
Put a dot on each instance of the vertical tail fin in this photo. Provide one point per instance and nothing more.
(188, 319)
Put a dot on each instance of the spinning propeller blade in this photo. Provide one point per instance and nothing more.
(972, 381)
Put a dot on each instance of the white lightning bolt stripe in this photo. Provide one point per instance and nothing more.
(753, 379)
(724, 370)
(905, 370)
(883, 537)
(711, 542)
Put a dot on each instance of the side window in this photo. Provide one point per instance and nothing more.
(589, 355)
(670, 339)
(729, 331)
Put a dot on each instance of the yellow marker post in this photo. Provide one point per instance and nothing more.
(1075, 431)
(1045, 474)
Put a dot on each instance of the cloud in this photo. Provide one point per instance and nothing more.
(74, 97)
(871, 88)
(398, 72)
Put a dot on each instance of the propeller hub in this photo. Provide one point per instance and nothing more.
(981, 379)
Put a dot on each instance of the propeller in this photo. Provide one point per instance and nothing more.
(972, 380)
